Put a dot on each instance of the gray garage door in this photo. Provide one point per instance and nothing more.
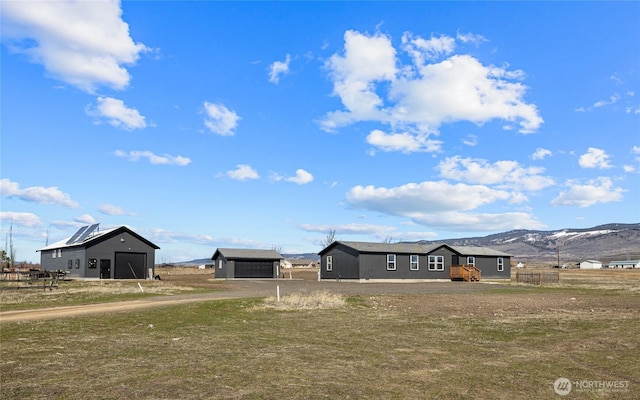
(254, 269)
(130, 265)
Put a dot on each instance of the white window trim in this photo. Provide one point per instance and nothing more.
(471, 261)
(329, 263)
(500, 264)
(391, 265)
(435, 263)
(414, 266)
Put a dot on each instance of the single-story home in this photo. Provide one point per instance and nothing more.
(298, 263)
(116, 253)
(365, 261)
(591, 264)
(624, 264)
(246, 263)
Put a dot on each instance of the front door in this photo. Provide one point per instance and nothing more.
(105, 269)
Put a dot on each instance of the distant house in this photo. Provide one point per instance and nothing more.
(246, 263)
(117, 253)
(624, 264)
(365, 261)
(298, 263)
(591, 264)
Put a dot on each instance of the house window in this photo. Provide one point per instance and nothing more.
(54, 254)
(70, 264)
(93, 263)
(436, 263)
(471, 261)
(329, 263)
(77, 263)
(413, 262)
(391, 262)
(500, 264)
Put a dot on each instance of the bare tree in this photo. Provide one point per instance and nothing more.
(277, 248)
(388, 239)
(330, 238)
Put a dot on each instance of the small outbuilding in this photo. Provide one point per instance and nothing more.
(591, 264)
(116, 253)
(365, 261)
(246, 263)
(624, 264)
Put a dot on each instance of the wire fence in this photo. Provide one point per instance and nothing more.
(537, 278)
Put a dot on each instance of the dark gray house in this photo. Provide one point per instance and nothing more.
(246, 263)
(117, 253)
(363, 261)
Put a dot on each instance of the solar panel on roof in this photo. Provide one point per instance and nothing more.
(73, 238)
(87, 233)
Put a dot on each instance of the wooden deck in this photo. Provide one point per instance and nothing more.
(467, 273)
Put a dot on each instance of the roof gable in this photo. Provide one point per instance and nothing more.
(247, 254)
(96, 238)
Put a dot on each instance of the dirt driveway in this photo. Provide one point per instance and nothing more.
(245, 289)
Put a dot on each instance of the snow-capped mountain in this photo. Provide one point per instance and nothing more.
(604, 243)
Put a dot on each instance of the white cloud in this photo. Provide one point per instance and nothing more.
(378, 231)
(366, 60)
(404, 142)
(85, 219)
(612, 100)
(470, 140)
(110, 209)
(422, 50)
(421, 97)
(279, 68)
(636, 150)
(117, 114)
(471, 38)
(595, 191)
(164, 159)
(220, 119)
(302, 177)
(36, 194)
(243, 172)
(507, 174)
(444, 205)
(460, 88)
(459, 221)
(428, 197)
(83, 43)
(28, 220)
(629, 168)
(594, 158)
(541, 153)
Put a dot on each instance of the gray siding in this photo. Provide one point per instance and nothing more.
(74, 254)
(345, 263)
(488, 265)
(100, 250)
(107, 249)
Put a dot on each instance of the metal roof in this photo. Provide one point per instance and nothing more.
(248, 254)
(415, 248)
(95, 237)
(372, 247)
(479, 251)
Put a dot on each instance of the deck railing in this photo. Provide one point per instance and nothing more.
(467, 273)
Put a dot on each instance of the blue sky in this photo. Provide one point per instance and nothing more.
(264, 125)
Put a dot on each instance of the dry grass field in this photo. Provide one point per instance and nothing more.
(498, 341)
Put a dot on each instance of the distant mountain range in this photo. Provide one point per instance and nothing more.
(604, 243)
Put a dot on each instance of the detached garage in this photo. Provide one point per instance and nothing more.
(117, 253)
(246, 263)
